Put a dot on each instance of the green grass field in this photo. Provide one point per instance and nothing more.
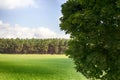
(37, 67)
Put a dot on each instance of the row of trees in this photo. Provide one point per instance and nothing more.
(30, 46)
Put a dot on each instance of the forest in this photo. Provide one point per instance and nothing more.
(33, 46)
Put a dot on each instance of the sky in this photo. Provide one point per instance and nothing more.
(31, 19)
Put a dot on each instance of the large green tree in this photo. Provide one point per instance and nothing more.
(94, 26)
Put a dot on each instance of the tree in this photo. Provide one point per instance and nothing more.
(30, 46)
(94, 26)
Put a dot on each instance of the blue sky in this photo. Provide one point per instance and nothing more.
(20, 17)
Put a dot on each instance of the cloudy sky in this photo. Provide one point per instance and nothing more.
(30, 19)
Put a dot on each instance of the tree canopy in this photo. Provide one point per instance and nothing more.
(94, 26)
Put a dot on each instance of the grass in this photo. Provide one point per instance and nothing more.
(37, 67)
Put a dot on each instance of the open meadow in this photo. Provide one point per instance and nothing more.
(37, 67)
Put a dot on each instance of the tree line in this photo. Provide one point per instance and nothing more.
(33, 46)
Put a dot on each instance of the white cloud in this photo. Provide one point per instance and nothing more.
(17, 31)
(12, 4)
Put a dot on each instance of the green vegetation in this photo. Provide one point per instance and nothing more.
(94, 26)
(37, 67)
(36, 46)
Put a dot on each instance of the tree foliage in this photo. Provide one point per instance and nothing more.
(36, 46)
(94, 26)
